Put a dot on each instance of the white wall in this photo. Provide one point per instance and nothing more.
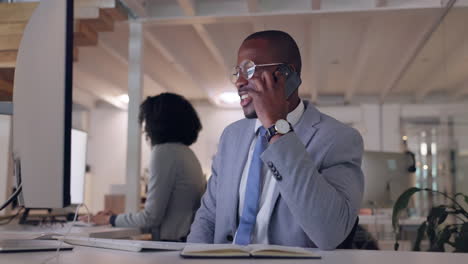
(107, 148)
(106, 152)
(213, 120)
(5, 124)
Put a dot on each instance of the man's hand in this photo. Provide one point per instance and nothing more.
(269, 98)
(101, 218)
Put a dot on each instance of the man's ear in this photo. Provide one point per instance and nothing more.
(292, 67)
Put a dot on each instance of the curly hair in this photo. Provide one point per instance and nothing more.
(169, 117)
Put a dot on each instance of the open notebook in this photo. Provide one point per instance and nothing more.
(250, 251)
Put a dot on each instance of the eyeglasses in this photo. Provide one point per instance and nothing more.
(246, 69)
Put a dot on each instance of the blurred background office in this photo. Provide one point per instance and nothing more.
(395, 70)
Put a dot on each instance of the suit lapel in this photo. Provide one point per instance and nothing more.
(240, 153)
(305, 130)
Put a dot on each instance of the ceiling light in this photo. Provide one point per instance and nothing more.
(423, 149)
(123, 98)
(229, 98)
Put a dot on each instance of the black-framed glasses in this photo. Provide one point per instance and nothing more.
(246, 69)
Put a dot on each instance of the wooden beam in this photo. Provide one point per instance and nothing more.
(6, 97)
(95, 3)
(188, 7)
(10, 42)
(16, 12)
(117, 14)
(105, 23)
(209, 43)
(171, 58)
(75, 54)
(12, 29)
(252, 6)
(450, 55)
(84, 98)
(85, 35)
(123, 60)
(413, 51)
(212, 17)
(380, 3)
(7, 74)
(8, 59)
(137, 7)
(363, 56)
(459, 91)
(103, 90)
(6, 87)
(316, 70)
(431, 78)
(316, 4)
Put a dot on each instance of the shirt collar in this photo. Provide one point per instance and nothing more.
(293, 117)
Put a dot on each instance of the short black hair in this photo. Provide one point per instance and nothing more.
(168, 118)
(284, 45)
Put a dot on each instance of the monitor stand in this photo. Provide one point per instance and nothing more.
(28, 219)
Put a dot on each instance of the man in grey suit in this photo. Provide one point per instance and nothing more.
(287, 174)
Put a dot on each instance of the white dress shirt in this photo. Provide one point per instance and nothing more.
(260, 232)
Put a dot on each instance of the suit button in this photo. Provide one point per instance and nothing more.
(270, 164)
(229, 238)
(278, 176)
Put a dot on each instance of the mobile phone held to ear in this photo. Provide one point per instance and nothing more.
(292, 79)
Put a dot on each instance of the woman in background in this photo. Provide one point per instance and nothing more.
(176, 182)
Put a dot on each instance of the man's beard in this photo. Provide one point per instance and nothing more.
(252, 115)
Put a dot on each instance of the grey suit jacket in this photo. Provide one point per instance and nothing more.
(319, 183)
(175, 187)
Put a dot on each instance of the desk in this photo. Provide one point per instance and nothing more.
(15, 231)
(87, 255)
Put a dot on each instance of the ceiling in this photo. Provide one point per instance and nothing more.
(364, 51)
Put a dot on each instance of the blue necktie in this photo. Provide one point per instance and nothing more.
(252, 192)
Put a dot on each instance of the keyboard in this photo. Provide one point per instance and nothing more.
(125, 245)
(28, 245)
(84, 224)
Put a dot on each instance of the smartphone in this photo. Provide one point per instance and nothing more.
(292, 79)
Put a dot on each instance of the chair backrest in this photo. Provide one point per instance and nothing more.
(348, 242)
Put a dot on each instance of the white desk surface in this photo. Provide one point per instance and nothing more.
(87, 255)
(15, 231)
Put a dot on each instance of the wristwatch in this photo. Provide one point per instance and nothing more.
(280, 127)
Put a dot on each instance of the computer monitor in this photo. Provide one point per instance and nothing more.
(79, 140)
(42, 106)
(386, 176)
(5, 130)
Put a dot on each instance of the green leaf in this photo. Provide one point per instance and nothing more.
(433, 220)
(444, 237)
(437, 215)
(401, 204)
(420, 236)
(461, 194)
(461, 239)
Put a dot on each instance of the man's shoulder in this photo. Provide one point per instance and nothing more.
(332, 127)
(239, 126)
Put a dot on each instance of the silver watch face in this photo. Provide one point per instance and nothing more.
(282, 126)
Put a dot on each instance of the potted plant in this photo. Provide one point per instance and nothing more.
(434, 228)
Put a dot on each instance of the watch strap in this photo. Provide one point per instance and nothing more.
(271, 131)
